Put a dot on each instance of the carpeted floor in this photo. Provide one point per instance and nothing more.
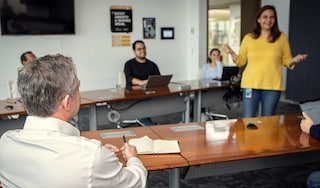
(284, 177)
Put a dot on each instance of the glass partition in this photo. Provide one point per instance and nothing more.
(224, 26)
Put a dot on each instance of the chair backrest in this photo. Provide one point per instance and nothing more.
(10, 89)
(121, 80)
(13, 90)
(13, 94)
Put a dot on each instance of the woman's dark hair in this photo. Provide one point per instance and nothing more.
(212, 50)
(275, 31)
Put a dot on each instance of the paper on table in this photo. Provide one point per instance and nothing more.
(145, 145)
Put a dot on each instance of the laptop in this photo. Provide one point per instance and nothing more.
(312, 108)
(158, 80)
(227, 72)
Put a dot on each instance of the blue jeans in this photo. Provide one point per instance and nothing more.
(313, 180)
(269, 100)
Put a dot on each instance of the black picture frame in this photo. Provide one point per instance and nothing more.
(149, 28)
(167, 33)
(121, 19)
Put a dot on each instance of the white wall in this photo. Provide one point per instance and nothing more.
(98, 63)
(283, 12)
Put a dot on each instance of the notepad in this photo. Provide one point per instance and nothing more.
(146, 145)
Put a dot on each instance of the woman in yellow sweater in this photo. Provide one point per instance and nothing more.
(264, 51)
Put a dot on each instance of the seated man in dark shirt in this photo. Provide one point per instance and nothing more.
(138, 69)
(307, 126)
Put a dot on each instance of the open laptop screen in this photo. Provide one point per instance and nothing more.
(227, 72)
(158, 80)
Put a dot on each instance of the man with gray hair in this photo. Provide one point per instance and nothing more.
(48, 151)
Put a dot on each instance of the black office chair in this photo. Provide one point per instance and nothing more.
(233, 96)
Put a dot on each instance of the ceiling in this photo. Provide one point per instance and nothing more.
(219, 9)
(218, 4)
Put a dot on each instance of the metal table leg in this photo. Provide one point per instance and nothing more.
(174, 178)
(92, 118)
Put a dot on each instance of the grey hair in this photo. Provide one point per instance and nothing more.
(44, 82)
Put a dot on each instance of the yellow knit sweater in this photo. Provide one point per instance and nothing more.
(264, 62)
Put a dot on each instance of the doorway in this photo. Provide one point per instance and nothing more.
(224, 26)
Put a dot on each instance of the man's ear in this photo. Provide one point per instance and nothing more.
(66, 102)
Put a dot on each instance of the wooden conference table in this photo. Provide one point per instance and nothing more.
(172, 162)
(18, 109)
(208, 149)
(207, 93)
(136, 102)
(162, 100)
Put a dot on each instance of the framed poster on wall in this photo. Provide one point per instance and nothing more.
(167, 33)
(121, 18)
(149, 28)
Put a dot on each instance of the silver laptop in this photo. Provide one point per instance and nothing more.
(158, 80)
(312, 108)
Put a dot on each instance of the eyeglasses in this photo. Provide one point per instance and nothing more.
(139, 49)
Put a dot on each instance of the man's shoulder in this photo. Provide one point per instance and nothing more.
(149, 61)
(131, 60)
(10, 134)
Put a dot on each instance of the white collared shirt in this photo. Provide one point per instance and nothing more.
(49, 152)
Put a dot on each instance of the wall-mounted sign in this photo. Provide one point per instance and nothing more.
(167, 33)
(121, 18)
(120, 40)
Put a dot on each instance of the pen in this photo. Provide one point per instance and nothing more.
(301, 117)
(124, 138)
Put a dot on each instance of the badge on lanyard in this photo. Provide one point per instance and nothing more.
(248, 93)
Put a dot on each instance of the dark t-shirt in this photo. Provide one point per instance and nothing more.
(315, 131)
(134, 69)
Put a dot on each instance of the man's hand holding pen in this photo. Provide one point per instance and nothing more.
(128, 150)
